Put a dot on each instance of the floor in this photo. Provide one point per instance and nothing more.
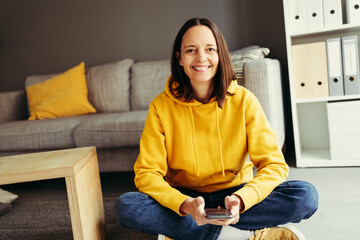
(338, 216)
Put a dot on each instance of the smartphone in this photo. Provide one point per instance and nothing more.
(217, 213)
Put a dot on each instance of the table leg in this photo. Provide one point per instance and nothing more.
(86, 202)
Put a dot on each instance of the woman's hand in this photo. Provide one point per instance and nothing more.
(196, 208)
(234, 203)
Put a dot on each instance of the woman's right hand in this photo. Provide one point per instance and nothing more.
(196, 208)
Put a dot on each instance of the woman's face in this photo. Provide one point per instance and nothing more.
(199, 54)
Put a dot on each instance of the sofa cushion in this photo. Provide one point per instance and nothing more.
(64, 95)
(110, 130)
(38, 135)
(109, 86)
(148, 79)
(241, 56)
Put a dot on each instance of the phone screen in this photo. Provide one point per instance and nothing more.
(217, 213)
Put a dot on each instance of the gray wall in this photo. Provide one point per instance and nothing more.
(42, 36)
(50, 36)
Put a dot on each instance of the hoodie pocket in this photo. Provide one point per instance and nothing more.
(231, 175)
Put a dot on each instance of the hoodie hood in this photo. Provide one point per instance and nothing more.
(193, 104)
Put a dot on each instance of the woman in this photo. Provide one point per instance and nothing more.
(193, 150)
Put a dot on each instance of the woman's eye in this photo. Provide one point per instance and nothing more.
(212, 50)
(190, 50)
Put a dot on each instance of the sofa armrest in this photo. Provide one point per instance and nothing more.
(263, 78)
(13, 106)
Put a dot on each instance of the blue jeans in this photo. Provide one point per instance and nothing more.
(291, 201)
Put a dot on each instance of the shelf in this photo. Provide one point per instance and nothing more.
(311, 128)
(327, 163)
(321, 158)
(320, 154)
(345, 28)
(328, 99)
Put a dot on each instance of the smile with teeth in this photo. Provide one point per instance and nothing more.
(201, 68)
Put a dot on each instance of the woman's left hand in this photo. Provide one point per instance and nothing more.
(234, 204)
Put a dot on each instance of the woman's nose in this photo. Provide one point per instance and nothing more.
(201, 56)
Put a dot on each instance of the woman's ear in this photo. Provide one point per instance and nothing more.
(179, 58)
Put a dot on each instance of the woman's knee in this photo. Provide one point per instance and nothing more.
(127, 204)
(312, 199)
(307, 196)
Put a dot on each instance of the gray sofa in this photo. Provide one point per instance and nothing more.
(121, 93)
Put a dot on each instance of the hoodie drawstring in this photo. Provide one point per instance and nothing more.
(219, 137)
(194, 140)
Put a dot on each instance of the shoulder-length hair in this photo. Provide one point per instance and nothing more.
(223, 77)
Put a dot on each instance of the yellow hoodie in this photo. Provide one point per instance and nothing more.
(204, 148)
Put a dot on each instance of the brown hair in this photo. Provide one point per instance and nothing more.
(223, 76)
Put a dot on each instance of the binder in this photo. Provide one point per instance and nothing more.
(332, 13)
(297, 15)
(350, 57)
(310, 74)
(314, 14)
(353, 11)
(334, 61)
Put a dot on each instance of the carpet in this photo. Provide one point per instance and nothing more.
(47, 220)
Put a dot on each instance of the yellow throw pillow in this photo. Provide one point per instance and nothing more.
(64, 95)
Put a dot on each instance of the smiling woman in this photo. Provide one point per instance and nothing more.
(197, 137)
(200, 60)
(200, 48)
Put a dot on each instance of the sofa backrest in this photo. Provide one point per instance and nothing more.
(13, 106)
(108, 85)
(121, 86)
(148, 79)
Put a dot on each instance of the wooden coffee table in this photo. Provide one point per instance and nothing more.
(79, 167)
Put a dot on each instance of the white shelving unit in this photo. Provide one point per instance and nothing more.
(310, 118)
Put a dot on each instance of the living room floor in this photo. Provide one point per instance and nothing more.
(338, 216)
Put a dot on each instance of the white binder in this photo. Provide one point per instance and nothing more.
(350, 65)
(332, 13)
(334, 60)
(353, 11)
(297, 15)
(314, 14)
